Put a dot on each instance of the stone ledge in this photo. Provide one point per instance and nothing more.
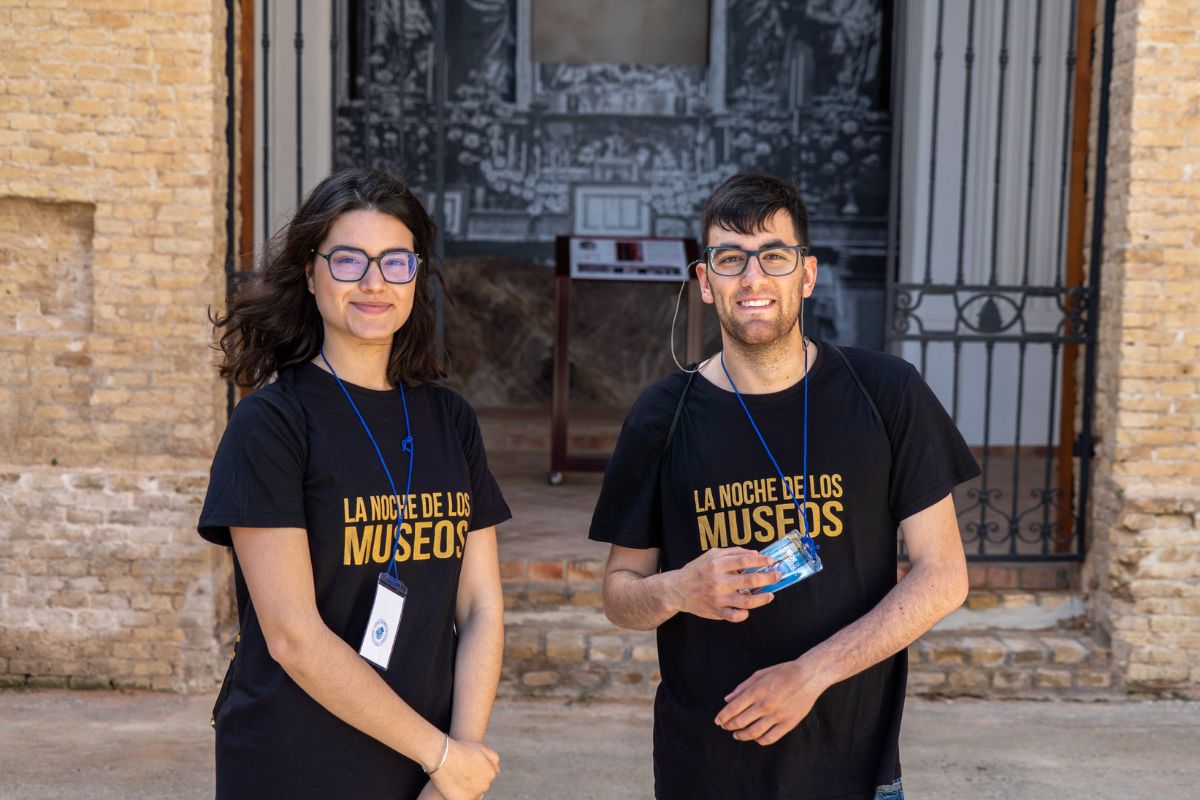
(549, 584)
(1015, 609)
(1017, 664)
(575, 652)
(1023, 575)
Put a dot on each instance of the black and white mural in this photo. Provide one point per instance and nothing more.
(797, 88)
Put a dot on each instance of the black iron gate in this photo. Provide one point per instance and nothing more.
(980, 295)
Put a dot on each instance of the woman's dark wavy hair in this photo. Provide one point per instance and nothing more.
(273, 321)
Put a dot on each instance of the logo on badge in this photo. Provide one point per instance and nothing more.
(379, 631)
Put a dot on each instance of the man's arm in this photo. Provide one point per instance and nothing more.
(772, 701)
(638, 596)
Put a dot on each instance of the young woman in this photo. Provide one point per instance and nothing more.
(356, 495)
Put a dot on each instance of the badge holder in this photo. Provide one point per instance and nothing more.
(384, 621)
(792, 557)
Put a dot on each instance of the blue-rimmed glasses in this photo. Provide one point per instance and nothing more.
(350, 265)
(775, 260)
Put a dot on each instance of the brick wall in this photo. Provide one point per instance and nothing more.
(1143, 573)
(107, 588)
(112, 192)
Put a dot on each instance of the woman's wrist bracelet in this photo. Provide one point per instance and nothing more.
(445, 752)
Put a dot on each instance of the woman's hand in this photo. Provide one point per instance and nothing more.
(469, 770)
(430, 792)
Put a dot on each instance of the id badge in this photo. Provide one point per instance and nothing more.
(792, 557)
(384, 623)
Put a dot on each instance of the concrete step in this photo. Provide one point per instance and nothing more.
(1015, 609)
(1000, 644)
(575, 653)
(550, 584)
(1027, 575)
(1060, 663)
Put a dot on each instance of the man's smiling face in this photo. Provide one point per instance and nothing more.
(755, 308)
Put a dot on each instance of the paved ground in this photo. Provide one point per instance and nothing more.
(549, 523)
(57, 745)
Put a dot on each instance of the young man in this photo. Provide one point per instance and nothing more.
(796, 694)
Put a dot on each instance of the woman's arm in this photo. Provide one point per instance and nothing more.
(480, 618)
(278, 572)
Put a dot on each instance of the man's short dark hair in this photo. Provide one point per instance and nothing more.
(746, 201)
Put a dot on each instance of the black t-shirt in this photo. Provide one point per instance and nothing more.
(715, 486)
(295, 455)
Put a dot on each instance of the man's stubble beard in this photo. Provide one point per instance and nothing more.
(774, 337)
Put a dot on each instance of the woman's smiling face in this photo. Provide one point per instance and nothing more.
(369, 310)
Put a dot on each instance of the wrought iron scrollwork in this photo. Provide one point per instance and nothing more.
(989, 313)
(985, 305)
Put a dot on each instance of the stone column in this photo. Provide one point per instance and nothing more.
(1143, 568)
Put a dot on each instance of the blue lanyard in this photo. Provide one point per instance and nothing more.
(783, 483)
(407, 445)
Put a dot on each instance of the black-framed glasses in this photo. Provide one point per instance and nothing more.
(350, 265)
(775, 260)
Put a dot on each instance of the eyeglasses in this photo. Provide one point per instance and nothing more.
(350, 265)
(776, 260)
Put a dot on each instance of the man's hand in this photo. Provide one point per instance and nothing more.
(638, 596)
(770, 703)
(709, 586)
(469, 770)
(773, 701)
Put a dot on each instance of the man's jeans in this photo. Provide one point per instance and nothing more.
(892, 791)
